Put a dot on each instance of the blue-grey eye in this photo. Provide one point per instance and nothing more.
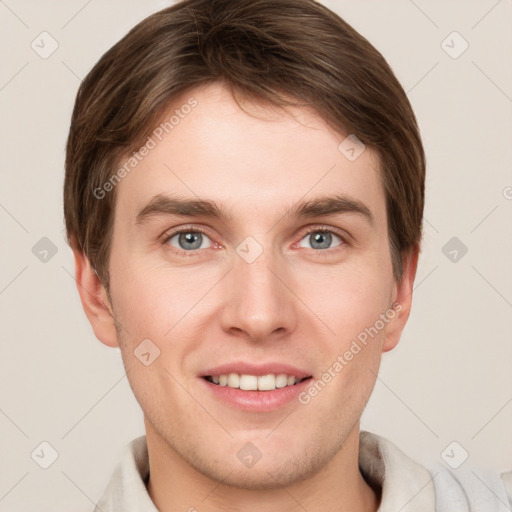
(189, 240)
(320, 240)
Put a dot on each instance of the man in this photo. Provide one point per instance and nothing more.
(244, 197)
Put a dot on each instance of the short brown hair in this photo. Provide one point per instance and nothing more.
(267, 50)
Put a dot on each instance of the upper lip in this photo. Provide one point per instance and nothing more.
(246, 368)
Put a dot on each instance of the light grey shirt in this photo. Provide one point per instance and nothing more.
(405, 485)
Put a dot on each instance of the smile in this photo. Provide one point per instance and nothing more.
(247, 382)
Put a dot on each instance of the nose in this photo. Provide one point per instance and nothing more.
(259, 302)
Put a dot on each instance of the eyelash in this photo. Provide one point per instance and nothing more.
(312, 229)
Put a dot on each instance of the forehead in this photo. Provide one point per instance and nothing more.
(256, 160)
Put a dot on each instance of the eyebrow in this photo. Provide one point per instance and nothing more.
(172, 205)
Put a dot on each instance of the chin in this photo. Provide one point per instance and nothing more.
(278, 469)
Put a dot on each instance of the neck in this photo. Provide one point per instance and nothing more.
(339, 486)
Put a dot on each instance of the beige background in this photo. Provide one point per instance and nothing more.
(450, 377)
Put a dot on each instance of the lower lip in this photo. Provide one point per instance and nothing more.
(256, 401)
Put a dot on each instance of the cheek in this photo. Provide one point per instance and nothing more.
(350, 302)
(347, 299)
(150, 299)
(166, 306)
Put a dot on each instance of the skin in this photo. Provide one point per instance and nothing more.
(296, 303)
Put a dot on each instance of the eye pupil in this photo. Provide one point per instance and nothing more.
(190, 240)
(321, 240)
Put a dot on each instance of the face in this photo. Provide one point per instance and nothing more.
(248, 249)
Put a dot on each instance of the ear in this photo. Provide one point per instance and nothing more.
(95, 300)
(403, 299)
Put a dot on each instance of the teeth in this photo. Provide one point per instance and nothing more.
(233, 380)
(281, 380)
(267, 382)
(255, 383)
(249, 382)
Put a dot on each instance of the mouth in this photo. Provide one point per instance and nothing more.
(255, 387)
(247, 382)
